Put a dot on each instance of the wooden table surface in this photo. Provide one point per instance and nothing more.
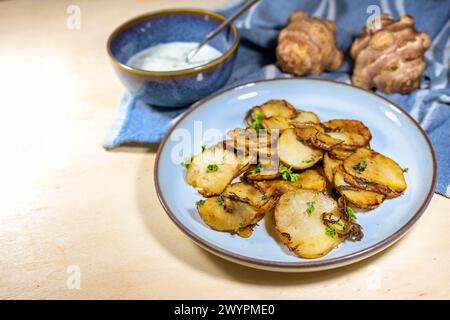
(67, 205)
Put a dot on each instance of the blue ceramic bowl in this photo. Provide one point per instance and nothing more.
(172, 88)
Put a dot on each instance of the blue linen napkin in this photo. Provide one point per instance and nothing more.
(139, 123)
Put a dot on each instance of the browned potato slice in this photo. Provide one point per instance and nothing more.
(375, 169)
(329, 166)
(305, 117)
(245, 192)
(309, 179)
(360, 198)
(297, 154)
(298, 219)
(353, 132)
(224, 214)
(213, 169)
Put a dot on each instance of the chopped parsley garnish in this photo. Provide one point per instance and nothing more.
(264, 197)
(220, 201)
(258, 118)
(405, 170)
(310, 208)
(203, 147)
(199, 202)
(212, 168)
(350, 213)
(330, 232)
(360, 166)
(325, 190)
(187, 161)
(256, 170)
(287, 174)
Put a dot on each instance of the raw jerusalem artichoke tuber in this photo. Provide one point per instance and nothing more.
(308, 45)
(390, 57)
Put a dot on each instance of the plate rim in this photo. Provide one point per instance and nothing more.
(309, 264)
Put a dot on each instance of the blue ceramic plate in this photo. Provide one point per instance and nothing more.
(395, 134)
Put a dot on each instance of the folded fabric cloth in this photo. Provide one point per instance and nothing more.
(139, 123)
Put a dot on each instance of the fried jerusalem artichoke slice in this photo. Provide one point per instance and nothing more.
(340, 154)
(329, 166)
(351, 180)
(245, 192)
(338, 134)
(305, 117)
(307, 45)
(295, 153)
(273, 114)
(360, 198)
(353, 133)
(252, 142)
(224, 214)
(376, 171)
(277, 108)
(309, 180)
(298, 218)
(389, 56)
(266, 169)
(213, 169)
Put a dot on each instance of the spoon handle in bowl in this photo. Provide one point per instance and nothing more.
(223, 25)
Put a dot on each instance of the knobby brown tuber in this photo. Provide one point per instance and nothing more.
(308, 45)
(389, 56)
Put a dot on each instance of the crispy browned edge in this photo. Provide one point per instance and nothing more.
(367, 252)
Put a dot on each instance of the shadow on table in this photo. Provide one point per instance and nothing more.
(134, 147)
(197, 258)
(270, 278)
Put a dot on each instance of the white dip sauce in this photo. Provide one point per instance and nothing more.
(172, 56)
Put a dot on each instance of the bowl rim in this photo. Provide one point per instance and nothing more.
(310, 265)
(133, 21)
